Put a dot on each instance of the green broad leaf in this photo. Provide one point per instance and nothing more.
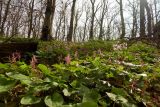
(120, 68)
(56, 100)
(24, 66)
(96, 62)
(75, 84)
(74, 63)
(59, 67)
(122, 99)
(84, 89)
(3, 66)
(117, 98)
(6, 84)
(17, 76)
(30, 99)
(119, 91)
(87, 104)
(44, 69)
(111, 96)
(41, 87)
(66, 93)
(73, 69)
(68, 106)
(91, 96)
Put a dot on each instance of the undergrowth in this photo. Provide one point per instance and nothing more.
(92, 74)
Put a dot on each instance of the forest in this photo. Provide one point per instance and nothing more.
(79, 53)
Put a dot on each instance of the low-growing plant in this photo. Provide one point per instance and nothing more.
(122, 78)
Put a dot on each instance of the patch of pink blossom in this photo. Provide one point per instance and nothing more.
(33, 62)
(68, 59)
(16, 56)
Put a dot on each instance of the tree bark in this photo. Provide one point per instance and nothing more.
(31, 5)
(5, 17)
(92, 21)
(1, 5)
(104, 11)
(122, 20)
(47, 26)
(142, 18)
(70, 33)
(155, 6)
(149, 19)
(143, 6)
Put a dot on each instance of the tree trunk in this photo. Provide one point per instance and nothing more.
(155, 6)
(1, 4)
(5, 17)
(47, 26)
(134, 26)
(149, 19)
(92, 23)
(122, 20)
(104, 11)
(70, 33)
(142, 18)
(143, 6)
(31, 5)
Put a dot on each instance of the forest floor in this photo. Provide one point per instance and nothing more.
(90, 74)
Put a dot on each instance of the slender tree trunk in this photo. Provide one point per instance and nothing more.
(155, 6)
(1, 5)
(58, 26)
(30, 18)
(149, 19)
(142, 18)
(70, 33)
(84, 31)
(47, 26)
(104, 11)
(5, 17)
(134, 26)
(101, 33)
(64, 27)
(122, 20)
(92, 23)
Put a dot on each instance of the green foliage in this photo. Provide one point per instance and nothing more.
(29, 100)
(55, 51)
(123, 78)
(56, 100)
(141, 47)
(6, 84)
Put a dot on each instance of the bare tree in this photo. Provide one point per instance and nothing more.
(78, 15)
(1, 5)
(31, 7)
(103, 12)
(120, 2)
(155, 11)
(143, 6)
(48, 20)
(134, 7)
(149, 25)
(94, 11)
(5, 17)
(142, 18)
(70, 33)
(87, 11)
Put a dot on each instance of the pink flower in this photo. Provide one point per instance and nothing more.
(68, 59)
(14, 57)
(33, 62)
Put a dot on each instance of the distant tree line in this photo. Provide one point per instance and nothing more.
(72, 20)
